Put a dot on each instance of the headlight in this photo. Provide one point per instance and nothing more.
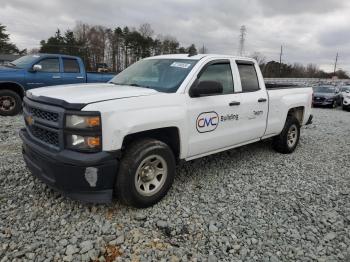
(83, 143)
(330, 99)
(83, 122)
(83, 131)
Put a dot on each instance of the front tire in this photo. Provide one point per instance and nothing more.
(288, 140)
(10, 103)
(146, 173)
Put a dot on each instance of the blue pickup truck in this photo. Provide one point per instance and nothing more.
(40, 70)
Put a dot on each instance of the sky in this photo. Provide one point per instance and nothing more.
(310, 31)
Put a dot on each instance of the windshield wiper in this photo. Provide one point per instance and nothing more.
(137, 85)
(133, 84)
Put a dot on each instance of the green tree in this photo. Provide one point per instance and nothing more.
(6, 46)
(53, 45)
(192, 50)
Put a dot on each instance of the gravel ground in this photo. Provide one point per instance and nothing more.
(248, 204)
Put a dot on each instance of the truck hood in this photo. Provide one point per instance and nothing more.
(325, 95)
(90, 93)
(5, 69)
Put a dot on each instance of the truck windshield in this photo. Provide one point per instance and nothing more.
(163, 75)
(25, 61)
(325, 89)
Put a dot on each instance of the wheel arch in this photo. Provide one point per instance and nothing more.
(168, 135)
(298, 113)
(13, 86)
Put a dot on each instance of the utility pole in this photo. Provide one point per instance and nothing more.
(243, 32)
(280, 67)
(335, 64)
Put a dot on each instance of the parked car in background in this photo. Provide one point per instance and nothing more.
(102, 67)
(40, 70)
(345, 93)
(328, 96)
(344, 90)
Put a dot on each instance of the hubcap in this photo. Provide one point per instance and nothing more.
(151, 175)
(292, 135)
(7, 103)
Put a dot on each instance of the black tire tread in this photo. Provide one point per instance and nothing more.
(279, 142)
(18, 99)
(128, 164)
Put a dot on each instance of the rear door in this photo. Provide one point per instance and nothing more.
(48, 75)
(72, 73)
(253, 99)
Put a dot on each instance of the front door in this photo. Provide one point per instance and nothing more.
(48, 75)
(213, 120)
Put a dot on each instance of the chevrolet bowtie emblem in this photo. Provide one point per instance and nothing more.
(30, 120)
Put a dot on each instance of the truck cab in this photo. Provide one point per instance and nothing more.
(34, 71)
(125, 137)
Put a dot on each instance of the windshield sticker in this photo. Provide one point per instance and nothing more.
(180, 65)
(36, 56)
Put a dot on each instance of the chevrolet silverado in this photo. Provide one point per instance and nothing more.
(125, 137)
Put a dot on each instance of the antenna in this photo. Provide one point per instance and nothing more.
(335, 64)
(281, 53)
(243, 32)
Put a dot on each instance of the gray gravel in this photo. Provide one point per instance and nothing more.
(248, 204)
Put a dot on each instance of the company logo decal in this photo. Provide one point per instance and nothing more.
(207, 122)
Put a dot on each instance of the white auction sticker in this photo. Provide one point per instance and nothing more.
(181, 65)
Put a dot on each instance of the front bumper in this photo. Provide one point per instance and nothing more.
(87, 177)
(322, 103)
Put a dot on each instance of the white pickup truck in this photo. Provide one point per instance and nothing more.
(124, 138)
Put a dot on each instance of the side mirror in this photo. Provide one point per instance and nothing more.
(37, 68)
(206, 88)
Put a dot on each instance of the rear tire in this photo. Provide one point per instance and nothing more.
(288, 140)
(10, 103)
(146, 173)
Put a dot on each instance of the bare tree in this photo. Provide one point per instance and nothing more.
(260, 58)
(146, 30)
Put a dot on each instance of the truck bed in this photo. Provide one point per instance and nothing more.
(274, 86)
(282, 97)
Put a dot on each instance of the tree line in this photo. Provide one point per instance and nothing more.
(117, 47)
(6, 47)
(274, 69)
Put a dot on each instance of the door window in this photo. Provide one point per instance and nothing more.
(221, 73)
(71, 65)
(50, 65)
(249, 78)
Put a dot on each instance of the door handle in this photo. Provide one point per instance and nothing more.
(234, 103)
(262, 100)
(80, 77)
(56, 77)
